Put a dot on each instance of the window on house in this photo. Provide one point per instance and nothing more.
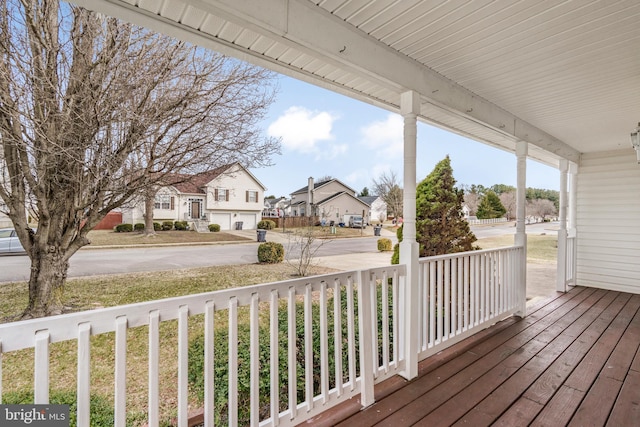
(252, 196)
(222, 195)
(164, 201)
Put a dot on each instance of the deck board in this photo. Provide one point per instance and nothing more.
(574, 360)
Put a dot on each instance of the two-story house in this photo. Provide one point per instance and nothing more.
(229, 196)
(329, 199)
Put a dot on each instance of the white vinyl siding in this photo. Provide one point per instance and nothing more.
(608, 212)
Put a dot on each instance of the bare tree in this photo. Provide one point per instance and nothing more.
(508, 200)
(388, 188)
(94, 111)
(472, 200)
(301, 250)
(544, 208)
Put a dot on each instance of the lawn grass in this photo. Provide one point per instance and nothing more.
(111, 238)
(540, 247)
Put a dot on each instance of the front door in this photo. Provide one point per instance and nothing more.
(195, 209)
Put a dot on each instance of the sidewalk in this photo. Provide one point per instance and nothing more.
(346, 262)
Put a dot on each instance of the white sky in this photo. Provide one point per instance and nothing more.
(324, 133)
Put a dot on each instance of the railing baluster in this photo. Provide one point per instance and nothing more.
(254, 356)
(275, 362)
(120, 399)
(308, 347)
(384, 288)
(447, 313)
(154, 368)
(373, 301)
(454, 297)
(84, 375)
(395, 306)
(233, 362)
(183, 366)
(432, 304)
(209, 360)
(337, 335)
(292, 349)
(351, 338)
(41, 364)
(324, 345)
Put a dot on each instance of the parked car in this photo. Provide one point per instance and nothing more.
(356, 221)
(9, 242)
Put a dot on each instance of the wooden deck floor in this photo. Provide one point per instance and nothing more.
(574, 360)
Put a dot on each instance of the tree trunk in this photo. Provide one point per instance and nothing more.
(149, 202)
(48, 274)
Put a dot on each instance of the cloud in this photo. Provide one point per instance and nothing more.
(304, 131)
(385, 137)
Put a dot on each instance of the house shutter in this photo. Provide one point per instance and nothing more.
(173, 203)
(246, 194)
(226, 192)
(215, 195)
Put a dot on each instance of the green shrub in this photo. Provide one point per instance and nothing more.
(180, 225)
(138, 226)
(167, 225)
(266, 224)
(221, 357)
(395, 258)
(270, 253)
(157, 226)
(214, 227)
(124, 228)
(384, 244)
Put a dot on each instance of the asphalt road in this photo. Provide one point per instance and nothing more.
(90, 262)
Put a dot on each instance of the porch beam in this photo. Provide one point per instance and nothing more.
(309, 29)
(520, 238)
(409, 249)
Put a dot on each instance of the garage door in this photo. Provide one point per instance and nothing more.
(248, 221)
(223, 220)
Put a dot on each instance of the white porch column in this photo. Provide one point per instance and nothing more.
(561, 271)
(409, 250)
(520, 239)
(572, 227)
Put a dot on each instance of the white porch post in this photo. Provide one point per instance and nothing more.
(561, 275)
(520, 239)
(572, 228)
(409, 253)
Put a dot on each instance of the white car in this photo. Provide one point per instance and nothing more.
(9, 242)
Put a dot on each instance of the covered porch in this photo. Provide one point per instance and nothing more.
(557, 83)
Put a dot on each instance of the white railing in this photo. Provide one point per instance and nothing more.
(299, 330)
(463, 293)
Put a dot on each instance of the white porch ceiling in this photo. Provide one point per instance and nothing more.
(561, 75)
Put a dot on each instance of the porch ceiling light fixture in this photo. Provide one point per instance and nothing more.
(635, 141)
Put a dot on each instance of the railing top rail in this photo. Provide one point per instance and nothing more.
(19, 335)
(468, 253)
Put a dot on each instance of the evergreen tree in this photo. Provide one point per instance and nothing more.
(491, 207)
(440, 224)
